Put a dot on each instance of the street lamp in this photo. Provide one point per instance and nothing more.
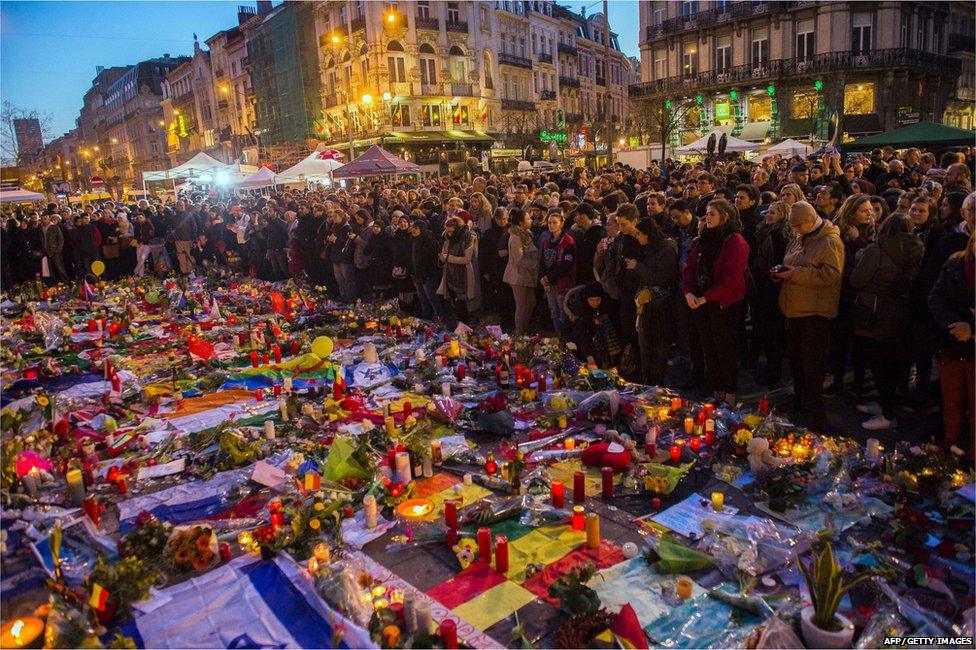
(367, 99)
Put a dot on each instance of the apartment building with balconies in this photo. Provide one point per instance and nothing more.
(769, 70)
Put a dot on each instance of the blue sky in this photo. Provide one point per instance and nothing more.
(49, 50)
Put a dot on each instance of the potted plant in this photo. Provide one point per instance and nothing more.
(822, 626)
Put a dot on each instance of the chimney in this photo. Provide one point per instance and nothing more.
(264, 7)
(166, 56)
(99, 69)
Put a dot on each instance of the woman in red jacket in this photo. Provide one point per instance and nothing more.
(714, 284)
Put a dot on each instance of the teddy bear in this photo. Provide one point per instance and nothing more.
(760, 455)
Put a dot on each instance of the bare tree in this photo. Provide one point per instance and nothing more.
(9, 153)
(657, 119)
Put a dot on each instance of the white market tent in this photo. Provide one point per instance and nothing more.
(318, 166)
(700, 146)
(788, 148)
(263, 177)
(19, 195)
(198, 164)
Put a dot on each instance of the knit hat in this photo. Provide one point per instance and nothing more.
(803, 210)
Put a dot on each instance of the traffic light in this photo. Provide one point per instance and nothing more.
(818, 84)
(733, 95)
(771, 89)
(667, 104)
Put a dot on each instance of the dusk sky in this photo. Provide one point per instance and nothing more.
(49, 50)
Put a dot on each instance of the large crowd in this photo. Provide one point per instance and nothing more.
(825, 263)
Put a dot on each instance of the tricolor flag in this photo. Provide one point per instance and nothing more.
(627, 629)
(99, 596)
(279, 305)
(87, 293)
(311, 481)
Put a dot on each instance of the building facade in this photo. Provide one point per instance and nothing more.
(189, 107)
(962, 46)
(234, 117)
(771, 70)
(440, 82)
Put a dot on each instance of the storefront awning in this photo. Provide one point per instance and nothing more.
(427, 137)
(754, 130)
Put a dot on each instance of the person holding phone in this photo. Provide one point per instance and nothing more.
(810, 278)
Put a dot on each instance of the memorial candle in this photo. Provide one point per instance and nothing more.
(675, 453)
(259, 394)
(76, 487)
(484, 543)
(872, 451)
(435, 452)
(370, 511)
(501, 554)
(276, 350)
(578, 521)
(403, 467)
(558, 494)
(675, 403)
(450, 513)
(592, 530)
(579, 487)
(607, 482)
(570, 443)
(287, 381)
(422, 615)
(449, 634)
(264, 359)
(461, 371)
(389, 423)
(269, 430)
(763, 406)
(695, 444)
(689, 425)
(254, 359)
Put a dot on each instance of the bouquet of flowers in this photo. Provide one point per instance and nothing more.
(193, 549)
(148, 540)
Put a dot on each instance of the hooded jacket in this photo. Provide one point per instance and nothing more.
(817, 259)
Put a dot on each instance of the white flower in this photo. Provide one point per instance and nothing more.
(916, 450)
(956, 450)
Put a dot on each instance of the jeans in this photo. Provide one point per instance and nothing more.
(555, 302)
(884, 362)
(430, 302)
(345, 276)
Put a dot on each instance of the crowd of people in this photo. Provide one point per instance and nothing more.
(828, 264)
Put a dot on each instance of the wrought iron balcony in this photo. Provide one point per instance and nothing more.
(460, 26)
(514, 60)
(547, 94)
(431, 24)
(566, 48)
(459, 89)
(820, 64)
(542, 57)
(431, 89)
(517, 105)
(569, 82)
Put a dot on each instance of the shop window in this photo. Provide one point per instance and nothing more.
(400, 115)
(760, 108)
(693, 118)
(858, 99)
(805, 104)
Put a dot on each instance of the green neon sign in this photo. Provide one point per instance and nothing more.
(547, 136)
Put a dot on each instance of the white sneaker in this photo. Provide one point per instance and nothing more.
(879, 423)
(871, 408)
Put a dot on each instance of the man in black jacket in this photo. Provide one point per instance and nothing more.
(591, 233)
(277, 245)
(426, 269)
(186, 233)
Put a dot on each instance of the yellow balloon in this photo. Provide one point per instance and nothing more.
(98, 267)
(322, 347)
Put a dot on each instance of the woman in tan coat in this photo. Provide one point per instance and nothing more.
(459, 279)
(522, 269)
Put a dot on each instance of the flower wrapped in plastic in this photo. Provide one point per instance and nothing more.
(490, 510)
(51, 329)
(668, 555)
(446, 409)
(538, 511)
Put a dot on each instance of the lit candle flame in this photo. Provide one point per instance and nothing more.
(16, 629)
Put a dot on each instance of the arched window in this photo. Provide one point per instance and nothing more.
(458, 66)
(428, 64)
(489, 79)
(396, 62)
